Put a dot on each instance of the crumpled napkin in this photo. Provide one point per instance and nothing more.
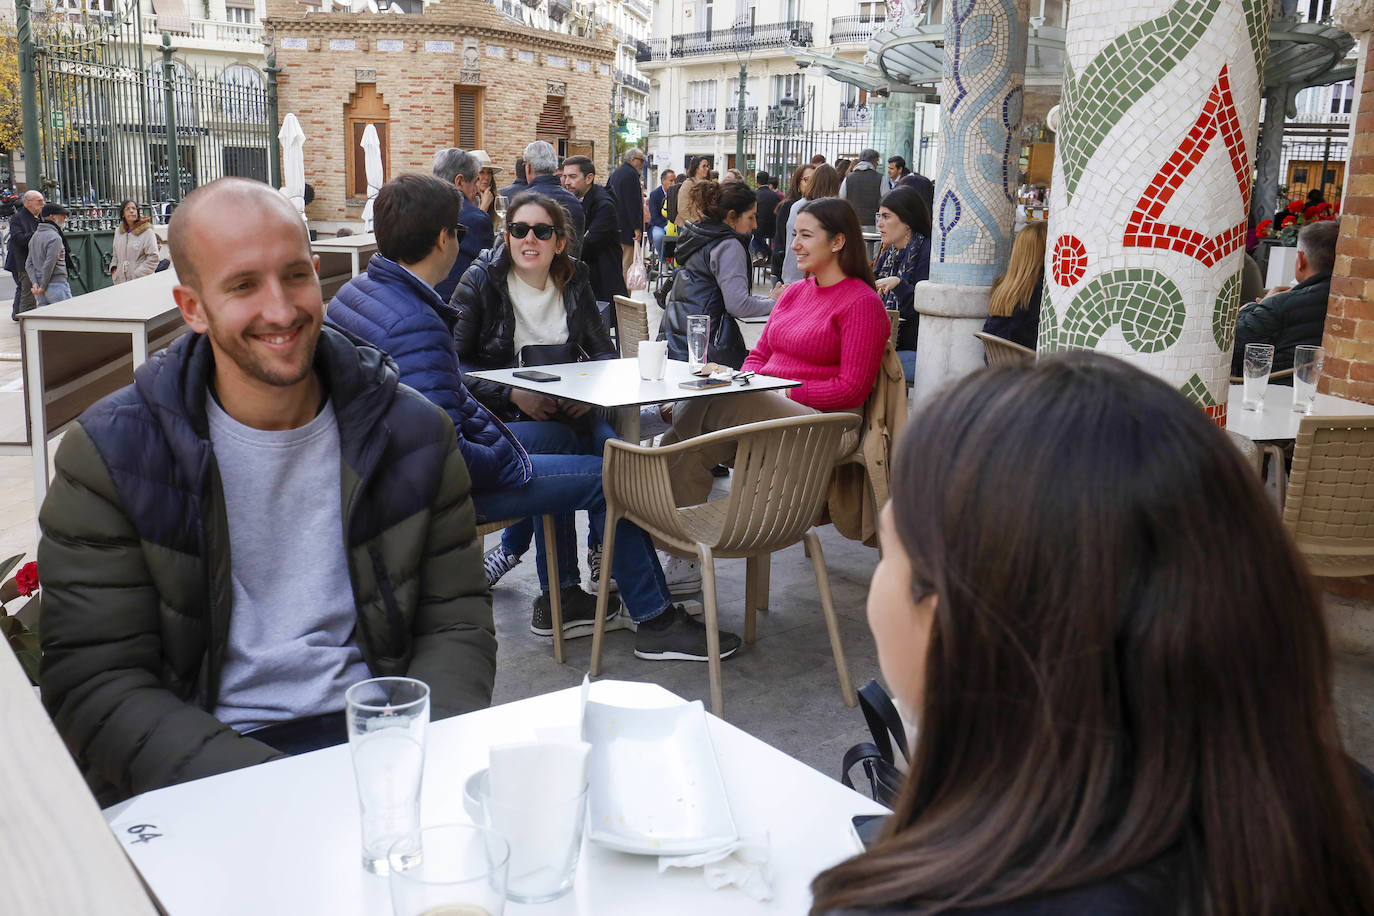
(743, 863)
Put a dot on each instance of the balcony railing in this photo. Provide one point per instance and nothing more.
(643, 53)
(640, 7)
(699, 119)
(742, 38)
(209, 29)
(559, 10)
(854, 29)
(854, 115)
(638, 84)
(751, 118)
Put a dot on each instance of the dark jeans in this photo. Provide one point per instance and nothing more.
(552, 437)
(563, 484)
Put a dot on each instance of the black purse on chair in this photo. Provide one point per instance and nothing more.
(878, 756)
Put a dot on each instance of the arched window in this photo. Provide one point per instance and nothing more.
(243, 94)
(183, 84)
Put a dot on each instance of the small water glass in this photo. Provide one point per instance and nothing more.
(1259, 360)
(1307, 370)
(449, 870)
(387, 718)
(698, 333)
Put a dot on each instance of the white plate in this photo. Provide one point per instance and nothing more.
(655, 784)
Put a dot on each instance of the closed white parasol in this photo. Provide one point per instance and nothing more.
(293, 162)
(372, 163)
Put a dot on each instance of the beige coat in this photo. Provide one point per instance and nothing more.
(134, 253)
(687, 211)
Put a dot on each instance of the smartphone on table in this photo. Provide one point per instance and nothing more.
(534, 375)
(700, 384)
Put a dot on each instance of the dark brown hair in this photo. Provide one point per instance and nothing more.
(563, 266)
(715, 201)
(837, 217)
(1127, 670)
(825, 182)
(794, 187)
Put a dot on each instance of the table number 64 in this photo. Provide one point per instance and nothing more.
(143, 833)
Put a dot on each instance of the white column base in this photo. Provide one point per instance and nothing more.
(946, 349)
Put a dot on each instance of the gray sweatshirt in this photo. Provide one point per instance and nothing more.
(47, 261)
(730, 264)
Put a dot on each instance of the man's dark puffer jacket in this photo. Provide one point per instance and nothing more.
(485, 331)
(137, 594)
(1287, 320)
(403, 316)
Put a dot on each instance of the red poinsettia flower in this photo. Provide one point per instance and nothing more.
(1311, 214)
(26, 580)
(1288, 220)
(1295, 207)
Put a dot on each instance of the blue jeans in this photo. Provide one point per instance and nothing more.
(563, 484)
(908, 358)
(658, 233)
(553, 437)
(56, 292)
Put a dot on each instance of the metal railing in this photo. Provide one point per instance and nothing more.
(559, 10)
(699, 119)
(637, 83)
(741, 38)
(209, 29)
(854, 29)
(854, 115)
(640, 7)
(657, 50)
(653, 122)
(751, 118)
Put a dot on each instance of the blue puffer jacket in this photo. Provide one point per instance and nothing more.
(397, 312)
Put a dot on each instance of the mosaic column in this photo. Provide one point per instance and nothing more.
(1152, 185)
(975, 188)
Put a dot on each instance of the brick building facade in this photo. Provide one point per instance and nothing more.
(457, 74)
(1349, 336)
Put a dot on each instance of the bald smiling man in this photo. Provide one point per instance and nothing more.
(263, 518)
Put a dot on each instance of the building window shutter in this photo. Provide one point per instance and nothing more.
(467, 119)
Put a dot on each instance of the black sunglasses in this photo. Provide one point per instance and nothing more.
(542, 231)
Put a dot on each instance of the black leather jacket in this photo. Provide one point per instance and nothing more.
(485, 330)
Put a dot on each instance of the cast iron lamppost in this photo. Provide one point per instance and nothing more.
(744, 47)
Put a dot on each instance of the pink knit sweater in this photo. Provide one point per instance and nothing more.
(830, 339)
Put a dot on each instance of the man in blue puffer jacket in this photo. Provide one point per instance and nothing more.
(395, 307)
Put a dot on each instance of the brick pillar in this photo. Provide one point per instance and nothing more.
(975, 189)
(1349, 335)
(1152, 185)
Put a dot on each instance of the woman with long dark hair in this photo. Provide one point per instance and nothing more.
(1116, 661)
(827, 331)
(713, 274)
(698, 169)
(796, 190)
(825, 182)
(903, 261)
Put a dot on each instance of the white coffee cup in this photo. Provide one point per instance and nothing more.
(653, 359)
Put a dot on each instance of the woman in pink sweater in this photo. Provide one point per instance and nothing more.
(827, 331)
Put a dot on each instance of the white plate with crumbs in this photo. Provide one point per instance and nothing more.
(655, 786)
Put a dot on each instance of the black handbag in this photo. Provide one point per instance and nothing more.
(878, 756)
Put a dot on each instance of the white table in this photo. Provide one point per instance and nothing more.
(1278, 421)
(282, 837)
(616, 383)
(355, 250)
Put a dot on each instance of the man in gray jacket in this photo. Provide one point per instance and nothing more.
(863, 187)
(46, 264)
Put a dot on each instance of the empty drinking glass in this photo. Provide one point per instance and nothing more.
(1307, 369)
(450, 870)
(1259, 359)
(387, 718)
(698, 333)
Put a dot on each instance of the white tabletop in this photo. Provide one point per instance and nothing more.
(282, 837)
(1278, 421)
(144, 299)
(347, 242)
(616, 383)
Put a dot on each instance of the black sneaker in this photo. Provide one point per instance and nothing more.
(579, 614)
(496, 563)
(594, 571)
(683, 639)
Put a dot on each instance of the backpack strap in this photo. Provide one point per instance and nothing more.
(883, 720)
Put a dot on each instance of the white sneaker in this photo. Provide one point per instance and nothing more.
(683, 574)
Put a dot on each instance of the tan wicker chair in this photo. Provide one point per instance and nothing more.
(1330, 507)
(782, 470)
(632, 325)
(551, 560)
(1000, 351)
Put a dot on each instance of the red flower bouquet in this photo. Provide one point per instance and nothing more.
(26, 580)
(1265, 229)
(1289, 220)
(1295, 207)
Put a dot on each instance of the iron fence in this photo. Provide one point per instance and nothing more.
(751, 118)
(779, 150)
(741, 38)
